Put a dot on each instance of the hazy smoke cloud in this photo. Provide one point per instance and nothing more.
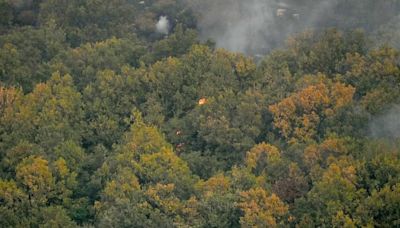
(162, 25)
(389, 33)
(257, 26)
(237, 25)
(387, 125)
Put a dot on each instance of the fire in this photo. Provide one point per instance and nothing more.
(202, 101)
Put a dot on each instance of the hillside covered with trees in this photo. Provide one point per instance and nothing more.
(125, 113)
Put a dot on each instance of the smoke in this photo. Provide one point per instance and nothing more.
(162, 25)
(236, 25)
(258, 26)
(255, 26)
(387, 125)
(389, 33)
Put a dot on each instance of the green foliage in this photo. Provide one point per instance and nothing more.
(109, 101)
(176, 44)
(84, 62)
(90, 20)
(14, 202)
(55, 217)
(23, 61)
(48, 116)
(106, 123)
(382, 207)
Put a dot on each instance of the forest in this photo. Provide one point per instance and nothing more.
(199, 113)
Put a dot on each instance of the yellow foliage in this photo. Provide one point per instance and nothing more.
(375, 100)
(216, 184)
(357, 64)
(298, 116)
(261, 209)
(346, 173)
(262, 151)
(312, 155)
(342, 95)
(35, 174)
(7, 97)
(199, 50)
(332, 146)
(244, 66)
(343, 220)
(123, 186)
(10, 194)
(162, 195)
(61, 166)
(191, 209)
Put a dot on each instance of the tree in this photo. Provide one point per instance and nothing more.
(89, 21)
(176, 44)
(263, 159)
(332, 147)
(143, 169)
(35, 176)
(109, 101)
(324, 52)
(23, 61)
(261, 209)
(49, 115)
(216, 205)
(336, 193)
(10, 98)
(85, 61)
(291, 186)
(14, 204)
(6, 13)
(381, 208)
(16, 154)
(301, 116)
(55, 217)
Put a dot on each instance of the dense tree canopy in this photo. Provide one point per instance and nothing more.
(106, 122)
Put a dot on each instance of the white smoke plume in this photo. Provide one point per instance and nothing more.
(236, 25)
(163, 25)
(258, 26)
(255, 26)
